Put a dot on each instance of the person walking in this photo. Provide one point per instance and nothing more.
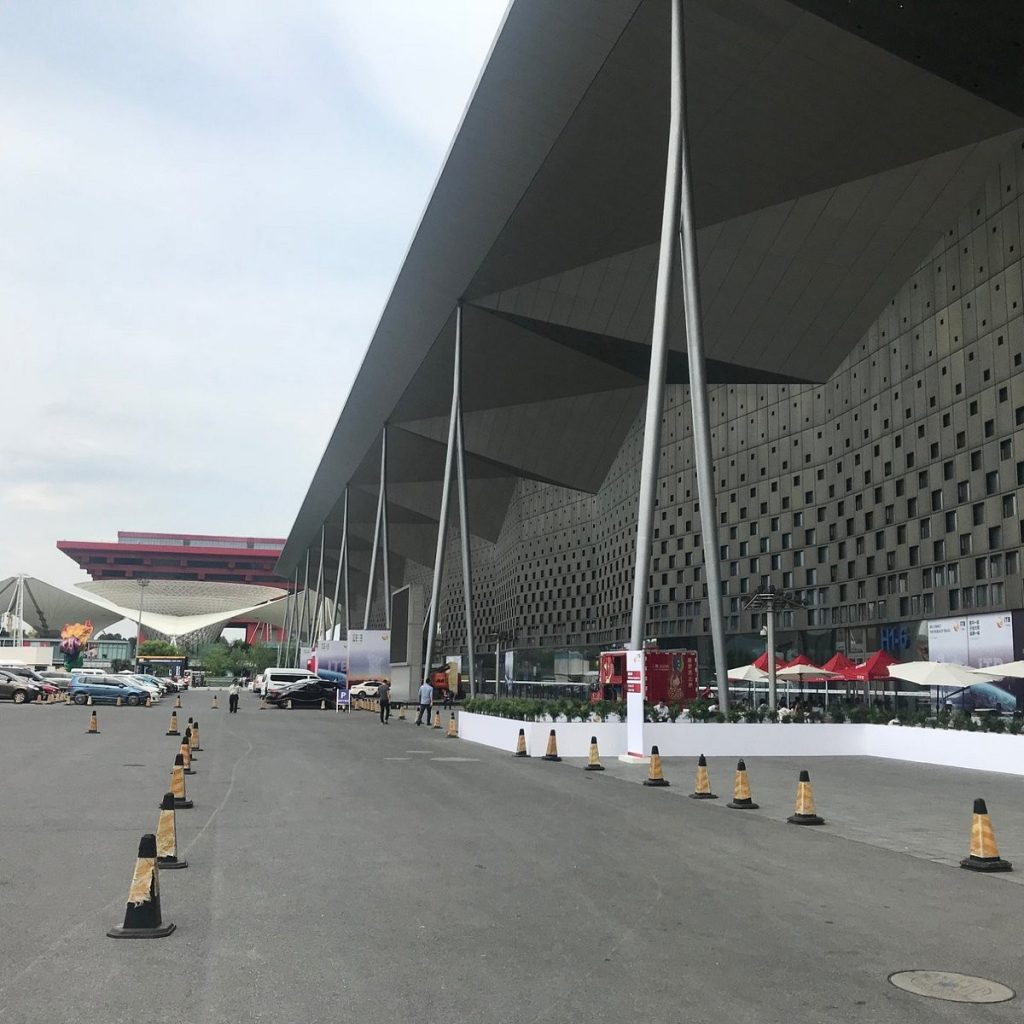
(384, 700)
(233, 697)
(426, 699)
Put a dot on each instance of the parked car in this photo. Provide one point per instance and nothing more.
(106, 690)
(163, 685)
(303, 693)
(150, 686)
(17, 688)
(366, 689)
(275, 678)
(62, 680)
(32, 676)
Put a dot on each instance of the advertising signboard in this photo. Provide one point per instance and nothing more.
(332, 660)
(369, 655)
(975, 640)
(635, 703)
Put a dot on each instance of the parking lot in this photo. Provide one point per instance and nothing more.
(339, 868)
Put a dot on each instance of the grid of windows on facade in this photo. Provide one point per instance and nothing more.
(890, 492)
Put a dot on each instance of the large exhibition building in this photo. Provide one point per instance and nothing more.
(856, 173)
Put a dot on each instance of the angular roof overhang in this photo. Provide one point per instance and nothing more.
(830, 148)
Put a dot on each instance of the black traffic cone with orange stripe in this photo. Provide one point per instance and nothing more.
(142, 916)
(167, 837)
(984, 854)
(196, 748)
(453, 729)
(804, 812)
(702, 787)
(181, 800)
(186, 753)
(593, 758)
(172, 729)
(551, 754)
(177, 701)
(741, 799)
(654, 776)
(94, 728)
(521, 744)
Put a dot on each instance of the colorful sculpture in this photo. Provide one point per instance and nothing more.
(73, 639)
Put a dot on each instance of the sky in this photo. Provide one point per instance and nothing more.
(203, 207)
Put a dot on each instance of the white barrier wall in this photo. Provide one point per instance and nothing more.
(983, 751)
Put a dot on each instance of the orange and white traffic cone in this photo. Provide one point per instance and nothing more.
(593, 759)
(804, 812)
(453, 729)
(172, 729)
(94, 728)
(196, 748)
(186, 753)
(181, 800)
(702, 788)
(741, 798)
(437, 719)
(984, 854)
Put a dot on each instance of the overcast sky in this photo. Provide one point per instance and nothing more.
(203, 207)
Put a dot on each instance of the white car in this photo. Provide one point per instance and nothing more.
(368, 689)
(143, 684)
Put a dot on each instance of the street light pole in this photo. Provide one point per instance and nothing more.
(138, 634)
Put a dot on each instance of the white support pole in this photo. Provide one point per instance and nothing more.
(304, 625)
(446, 486)
(376, 529)
(467, 566)
(384, 555)
(344, 552)
(702, 455)
(337, 584)
(318, 614)
(659, 343)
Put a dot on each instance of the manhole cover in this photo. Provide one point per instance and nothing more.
(957, 988)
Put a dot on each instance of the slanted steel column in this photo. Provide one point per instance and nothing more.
(381, 498)
(318, 612)
(446, 487)
(384, 555)
(659, 343)
(344, 551)
(467, 566)
(304, 624)
(337, 581)
(702, 456)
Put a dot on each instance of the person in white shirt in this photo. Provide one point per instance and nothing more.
(661, 711)
(233, 697)
(426, 699)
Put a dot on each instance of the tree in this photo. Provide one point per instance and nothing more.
(238, 658)
(158, 649)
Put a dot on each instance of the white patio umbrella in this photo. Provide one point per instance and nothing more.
(933, 673)
(747, 674)
(805, 672)
(1008, 670)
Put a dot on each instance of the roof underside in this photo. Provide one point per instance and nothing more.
(828, 155)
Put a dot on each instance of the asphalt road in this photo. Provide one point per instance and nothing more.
(343, 870)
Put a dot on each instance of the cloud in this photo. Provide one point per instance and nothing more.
(205, 206)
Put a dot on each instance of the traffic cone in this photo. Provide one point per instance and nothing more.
(401, 712)
(437, 719)
(118, 702)
(741, 799)
(263, 703)
(149, 701)
(196, 748)
(804, 813)
(177, 701)
(984, 854)
(167, 836)
(323, 704)
(186, 756)
(702, 788)
(654, 776)
(93, 729)
(214, 706)
(181, 800)
(453, 731)
(289, 703)
(593, 761)
(521, 745)
(142, 919)
(551, 754)
(172, 729)
(89, 701)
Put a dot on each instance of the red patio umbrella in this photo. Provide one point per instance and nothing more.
(876, 666)
(840, 664)
(762, 663)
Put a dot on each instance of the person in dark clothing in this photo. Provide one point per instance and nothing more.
(384, 699)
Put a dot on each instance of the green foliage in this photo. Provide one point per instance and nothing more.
(120, 665)
(158, 649)
(236, 659)
(837, 714)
